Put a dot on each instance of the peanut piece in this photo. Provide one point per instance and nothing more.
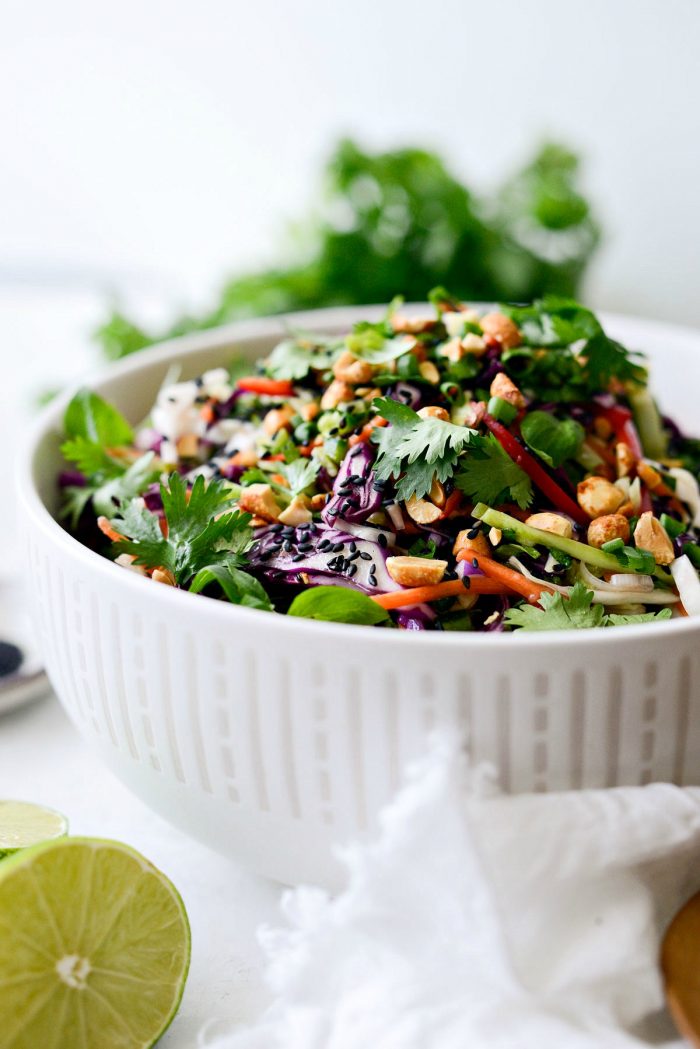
(500, 327)
(277, 419)
(335, 394)
(479, 544)
(422, 511)
(259, 499)
(551, 523)
(433, 412)
(598, 497)
(651, 535)
(415, 571)
(297, 512)
(606, 528)
(351, 369)
(506, 389)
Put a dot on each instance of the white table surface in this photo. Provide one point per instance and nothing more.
(44, 759)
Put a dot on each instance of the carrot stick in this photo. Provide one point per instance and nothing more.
(366, 432)
(261, 384)
(106, 529)
(452, 588)
(507, 576)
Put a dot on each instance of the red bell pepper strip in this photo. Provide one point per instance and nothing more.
(261, 384)
(539, 477)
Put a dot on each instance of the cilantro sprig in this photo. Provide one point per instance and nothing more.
(202, 530)
(576, 612)
(488, 474)
(413, 451)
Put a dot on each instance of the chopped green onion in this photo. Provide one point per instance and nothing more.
(613, 546)
(673, 527)
(501, 410)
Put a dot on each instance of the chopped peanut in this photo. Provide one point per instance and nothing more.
(473, 345)
(500, 327)
(415, 571)
(651, 535)
(422, 511)
(259, 499)
(495, 536)
(479, 544)
(506, 389)
(651, 477)
(248, 457)
(606, 528)
(452, 350)
(437, 493)
(429, 372)
(188, 446)
(351, 369)
(597, 496)
(335, 394)
(433, 412)
(554, 523)
(297, 512)
(309, 411)
(277, 419)
(624, 459)
(163, 575)
(317, 502)
(413, 325)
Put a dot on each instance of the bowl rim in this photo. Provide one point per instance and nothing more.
(219, 611)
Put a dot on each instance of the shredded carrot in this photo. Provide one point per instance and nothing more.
(452, 588)
(280, 479)
(366, 432)
(507, 576)
(106, 528)
(279, 458)
(207, 412)
(261, 384)
(452, 504)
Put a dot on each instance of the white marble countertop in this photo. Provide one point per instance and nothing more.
(44, 759)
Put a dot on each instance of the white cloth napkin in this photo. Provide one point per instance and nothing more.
(476, 920)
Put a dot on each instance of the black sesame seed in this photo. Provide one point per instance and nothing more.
(324, 544)
(288, 545)
(466, 582)
(338, 547)
(333, 432)
(277, 543)
(288, 532)
(473, 533)
(355, 478)
(333, 511)
(353, 557)
(356, 451)
(299, 557)
(351, 569)
(305, 527)
(382, 540)
(305, 547)
(365, 555)
(475, 562)
(353, 547)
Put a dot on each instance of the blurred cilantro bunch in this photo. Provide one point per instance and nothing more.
(400, 222)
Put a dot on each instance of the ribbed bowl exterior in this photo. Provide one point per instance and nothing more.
(273, 739)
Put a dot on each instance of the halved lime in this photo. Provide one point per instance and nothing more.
(94, 948)
(23, 824)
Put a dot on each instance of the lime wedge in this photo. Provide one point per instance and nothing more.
(94, 948)
(23, 824)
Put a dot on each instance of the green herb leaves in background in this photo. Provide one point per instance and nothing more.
(408, 223)
(576, 612)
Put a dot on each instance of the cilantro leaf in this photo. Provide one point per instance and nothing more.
(559, 613)
(644, 617)
(301, 474)
(200, 531)
(132, 482)
(338, 604)
(90, 458)
(414, 451)
(553, 440)
(240, 588)
(294, 359)
(90, 417)
(488, 474)
(371, 343)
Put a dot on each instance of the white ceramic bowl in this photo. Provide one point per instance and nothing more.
(272, 738)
